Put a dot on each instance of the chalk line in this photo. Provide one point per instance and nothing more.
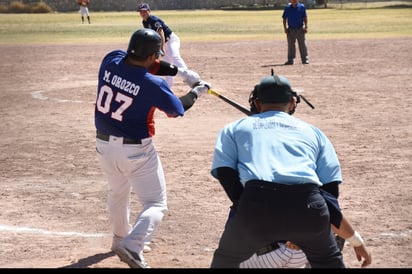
(39, 94)
(47, 232)
(404, 233)
(17, 229)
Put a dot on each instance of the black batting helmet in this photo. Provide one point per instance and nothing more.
(144, 42)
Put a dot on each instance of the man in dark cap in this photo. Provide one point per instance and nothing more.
(170, 46)
(281, 163)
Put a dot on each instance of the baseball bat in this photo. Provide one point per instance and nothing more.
(231, 102)
(306, 101)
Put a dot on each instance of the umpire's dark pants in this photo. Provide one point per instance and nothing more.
(299, 35)
(268, 212)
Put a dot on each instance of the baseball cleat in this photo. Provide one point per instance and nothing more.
(131, 258)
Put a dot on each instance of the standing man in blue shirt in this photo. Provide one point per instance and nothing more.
(295, 24)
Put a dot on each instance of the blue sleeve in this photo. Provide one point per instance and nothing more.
(167, 101)
(284, 15)
(285, 12)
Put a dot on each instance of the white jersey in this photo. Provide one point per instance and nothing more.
(282, 257)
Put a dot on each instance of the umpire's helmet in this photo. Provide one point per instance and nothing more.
(144, 42)
(275, 89)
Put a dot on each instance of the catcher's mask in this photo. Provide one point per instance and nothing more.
(144, 42)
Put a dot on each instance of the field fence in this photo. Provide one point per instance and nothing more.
(130, 5)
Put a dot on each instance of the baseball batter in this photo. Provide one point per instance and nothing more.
(84, 10)
(127, 97)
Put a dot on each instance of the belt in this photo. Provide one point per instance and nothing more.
(267, 249)
(282, 187)
(126, 141)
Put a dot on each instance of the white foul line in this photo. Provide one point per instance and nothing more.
(47, 232)
(99, 235)
(398, 234)
(39, 95)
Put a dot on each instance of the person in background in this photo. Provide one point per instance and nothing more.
(84, 10)
(295, 25)
(170, 47)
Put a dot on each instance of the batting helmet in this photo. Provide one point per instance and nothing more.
(144, 42)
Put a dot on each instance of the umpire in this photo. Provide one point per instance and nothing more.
(282, 162)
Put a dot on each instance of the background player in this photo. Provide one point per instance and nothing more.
(84, 10)
(170, 41)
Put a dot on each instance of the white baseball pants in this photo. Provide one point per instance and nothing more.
(134, 168)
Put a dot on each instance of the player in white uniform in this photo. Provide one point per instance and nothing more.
(84, 10)
(170, 41)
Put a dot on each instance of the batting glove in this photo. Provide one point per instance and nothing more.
(190, 77)
(200, 88)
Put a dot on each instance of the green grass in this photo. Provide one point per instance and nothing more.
(205, 25)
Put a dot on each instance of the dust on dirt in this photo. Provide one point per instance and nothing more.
(53, 195)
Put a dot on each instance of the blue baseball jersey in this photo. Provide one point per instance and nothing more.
(294, 15)
(127, 97)
(276, 147)
(154, 23)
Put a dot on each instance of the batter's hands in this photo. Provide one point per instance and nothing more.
(200, 88)
(190, 77)
(362, 252)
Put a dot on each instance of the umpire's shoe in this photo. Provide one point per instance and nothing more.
(131, 258)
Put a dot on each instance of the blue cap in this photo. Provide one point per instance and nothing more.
(274, 89)
(143, 6)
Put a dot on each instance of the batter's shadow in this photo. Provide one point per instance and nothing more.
(91, 260)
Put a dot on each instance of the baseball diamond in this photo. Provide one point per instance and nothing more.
(54, 196)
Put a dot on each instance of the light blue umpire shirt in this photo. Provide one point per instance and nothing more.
(276, 147)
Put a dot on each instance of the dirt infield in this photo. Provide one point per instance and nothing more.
(53, 196)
